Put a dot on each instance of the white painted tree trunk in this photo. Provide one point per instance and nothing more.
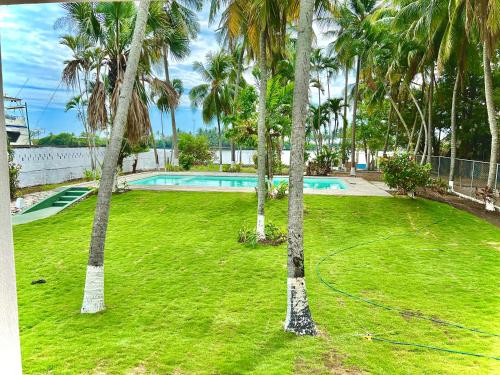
(298, 317)
(261, 130)
(93, 299)
(10, 348)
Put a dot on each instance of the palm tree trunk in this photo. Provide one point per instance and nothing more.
(175, 146)
(419, 138)
(490, 106)
(330, 143)
(424, 125)
(93, 298)
(386, 142)
(453, 129)
(401, 119)
(10, 353)
(354, 110)
(219, 138)
(298, 316)
(319, 111)
(429, 114)
(261, 130)
(163, 144)
(410, 139)
(236, 93)
(344, 128)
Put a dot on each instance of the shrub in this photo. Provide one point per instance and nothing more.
(274, 236)
(231, 168)
(401, 172)
(14, 170)
(193, 150)
(322, 164)
(279, 191)
(90, 175)
(186, 161)
(172, 168)
(438, 185)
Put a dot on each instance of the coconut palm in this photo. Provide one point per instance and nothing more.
(214, 96)
(485, 16)
(298, 316)
(263, 24)
(93, 299)
(183, 26)
(353, 18)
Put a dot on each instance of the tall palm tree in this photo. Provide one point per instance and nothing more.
(10, 353)
(486, 17)
(214, 95)
(175, 44)
(263, 23)
(353, 18)
(298, 317)
(93, 298)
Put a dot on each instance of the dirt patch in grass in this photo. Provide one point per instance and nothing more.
(472, 207)
(334, 363)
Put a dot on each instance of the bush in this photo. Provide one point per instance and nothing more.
(438, 185)
(186, 161)
(279, 191)
(401, 172)
(231, 168)
(322, 164)
(14, 170)
(90, 175)
(274, 236)
(172, 168)
(193, 150)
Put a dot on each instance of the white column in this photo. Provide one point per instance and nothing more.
(10, 349)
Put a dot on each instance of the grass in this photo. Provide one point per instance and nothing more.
(184, 297)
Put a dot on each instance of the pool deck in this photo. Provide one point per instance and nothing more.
(355, 186)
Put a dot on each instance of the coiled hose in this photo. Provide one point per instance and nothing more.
(332, 287)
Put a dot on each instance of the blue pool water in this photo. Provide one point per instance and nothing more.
(234, 181)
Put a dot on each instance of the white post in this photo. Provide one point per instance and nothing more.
(10, 349)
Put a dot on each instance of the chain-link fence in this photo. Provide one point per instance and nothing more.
(469, 174)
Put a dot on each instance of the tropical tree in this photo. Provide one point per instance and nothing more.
(93, 299)
(214, 96)
(353, 18)
(174, 42)
(486, 17)
(298, 317)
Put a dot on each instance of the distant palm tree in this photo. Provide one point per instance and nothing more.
(183, 26)
(214, 96)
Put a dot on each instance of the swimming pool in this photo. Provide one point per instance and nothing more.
(233, 181)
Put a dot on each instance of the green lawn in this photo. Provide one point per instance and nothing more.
(184, 297)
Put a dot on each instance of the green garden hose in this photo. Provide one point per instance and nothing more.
(397, 309)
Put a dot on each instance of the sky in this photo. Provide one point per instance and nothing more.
(33, 61)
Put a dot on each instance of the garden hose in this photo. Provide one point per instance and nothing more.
(397, 309)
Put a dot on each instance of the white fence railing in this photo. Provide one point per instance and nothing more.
(469, 174)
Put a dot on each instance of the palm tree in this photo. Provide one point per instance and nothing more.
(354, 21)
(175, 43)
(263, 23)
(486, 15)
(298, 317)
(93, 299)
(10, 355)
(213, 96)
